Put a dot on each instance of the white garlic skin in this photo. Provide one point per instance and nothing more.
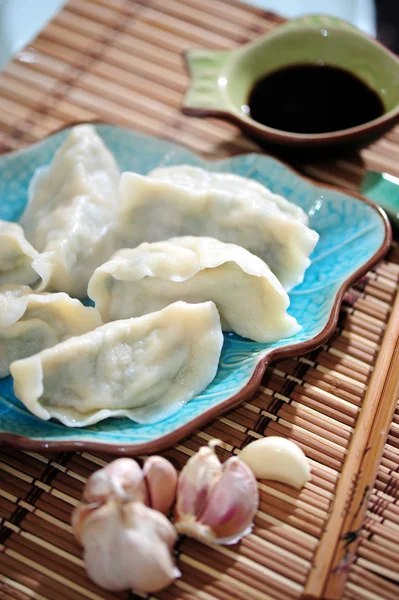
(216, 503)
(278, 459)
(122, 477)
(161, 480)
(127, 546)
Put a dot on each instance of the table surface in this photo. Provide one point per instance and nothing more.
(120, 61)
(21, 21)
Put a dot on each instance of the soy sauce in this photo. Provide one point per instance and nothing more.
(313, 99)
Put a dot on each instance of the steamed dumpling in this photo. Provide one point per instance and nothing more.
(30, 322)
(250, 299)
(200, 179)
(185, 200)
(16, 255)
(70, 212)
(145, 368)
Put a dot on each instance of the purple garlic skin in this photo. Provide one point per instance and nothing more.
(161, 479)
(196, 482)
(216, 503)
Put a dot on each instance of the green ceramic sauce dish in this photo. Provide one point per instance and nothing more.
(383, 189)
(221, 82)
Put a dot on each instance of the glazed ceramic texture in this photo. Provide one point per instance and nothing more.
(353, 235)
(221, 81)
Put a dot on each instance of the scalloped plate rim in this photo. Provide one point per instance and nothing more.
(167, 440)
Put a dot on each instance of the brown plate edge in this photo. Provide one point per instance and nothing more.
(24, 443)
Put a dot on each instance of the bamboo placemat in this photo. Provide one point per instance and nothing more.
(120, 61)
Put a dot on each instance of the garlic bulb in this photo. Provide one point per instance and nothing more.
(127, 546)
(161, 479)
(215, 503)
(278, 459)
(126, 543)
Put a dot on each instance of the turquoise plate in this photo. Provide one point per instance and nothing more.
(354, 235)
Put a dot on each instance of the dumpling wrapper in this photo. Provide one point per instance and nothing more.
(30, 322)
(16, 255)
(145, 369)
(70, 213)
(250, 299)
(179, 201)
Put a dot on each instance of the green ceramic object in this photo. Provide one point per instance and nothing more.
(383, 189)
(221, 81)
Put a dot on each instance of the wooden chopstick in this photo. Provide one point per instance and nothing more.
(339, 540)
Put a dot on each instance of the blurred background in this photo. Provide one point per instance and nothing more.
(21, 20)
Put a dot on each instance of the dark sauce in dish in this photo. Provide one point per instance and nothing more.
(313, 99)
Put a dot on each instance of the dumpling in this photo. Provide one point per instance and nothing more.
(145, 368)
(30, 322)
(200, 179)
(16, 255)
(69, 217)
(184, 200)
(12, 302)
(250, 299)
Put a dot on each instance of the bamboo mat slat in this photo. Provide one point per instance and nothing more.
(120, 61)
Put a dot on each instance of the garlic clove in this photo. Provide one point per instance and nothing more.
(196, 482)
(225, 513)
(127, 546)
(278, 459)
(156, 537)
(161, 479)
(233, 503)
(153, 519)
(123, 477)
(80, 515)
